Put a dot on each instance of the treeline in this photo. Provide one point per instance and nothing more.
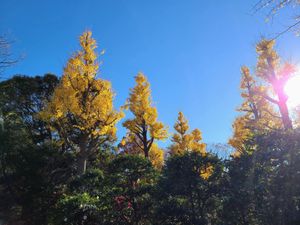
(60, 163)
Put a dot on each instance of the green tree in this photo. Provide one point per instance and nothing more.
(263, 187)
(26, 96)
(31, 176)
(85, 201)
(132, 180)
(184, 196)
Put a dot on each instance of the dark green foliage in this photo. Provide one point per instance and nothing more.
(277, 177)
(84, 202)
(132, 180)
(32, 171)
(238, 197)
(25, 96)
(185, 197)
(31, 176)
(264, 187)
(121, 195)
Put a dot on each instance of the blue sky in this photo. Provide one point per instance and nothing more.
(191, 50)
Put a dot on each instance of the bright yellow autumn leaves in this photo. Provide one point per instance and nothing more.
(182, 141)
(144, 128)
(265, 103)
(82, 96)
(82, 115)
(258, 114)
(270, 69)
(81, 109)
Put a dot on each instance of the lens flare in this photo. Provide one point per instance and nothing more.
(292, 89)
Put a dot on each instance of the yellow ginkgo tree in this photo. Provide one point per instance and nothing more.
(257, 114)
(81, 111)
(275, 74)
(183, 141)
(143, 128)
(265, 103)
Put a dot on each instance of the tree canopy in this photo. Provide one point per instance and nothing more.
(61, 161)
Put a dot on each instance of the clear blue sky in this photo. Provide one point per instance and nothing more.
(190, 50)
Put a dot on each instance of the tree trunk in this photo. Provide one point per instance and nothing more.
(284, 111)
(82, 163)
(83, 154)
(146, 150)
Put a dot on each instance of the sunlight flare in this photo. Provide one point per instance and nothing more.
(292, 89)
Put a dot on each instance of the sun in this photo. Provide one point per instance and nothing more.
(292, 90)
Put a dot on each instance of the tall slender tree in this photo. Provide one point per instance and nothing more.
(144, 127)
(81, 110)
(257, 114)
(270, 70)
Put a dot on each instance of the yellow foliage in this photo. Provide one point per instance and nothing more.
(275, 75)
(206, 171)
(156, 156)
(268, 60)
(240, 134)
(144, 127)
(184, 141)
(258, 114)
(81, 101)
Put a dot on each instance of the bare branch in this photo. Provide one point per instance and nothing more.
(6, 58)
(275, 6)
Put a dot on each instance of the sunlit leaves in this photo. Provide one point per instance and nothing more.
(144, 127)
(182, 141)
(82, 104)
(264, 105)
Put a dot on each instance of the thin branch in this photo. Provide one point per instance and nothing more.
(286, 30)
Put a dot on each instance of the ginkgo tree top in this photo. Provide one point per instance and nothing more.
(82, 101)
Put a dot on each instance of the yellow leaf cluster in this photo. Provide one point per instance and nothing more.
(81, 97)
(240, 134)
(206, 171)
(268, 59)
(258, 114)
(140, 104)
(184, 141)
(269, 67)
(156, 156)
(144, 126)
